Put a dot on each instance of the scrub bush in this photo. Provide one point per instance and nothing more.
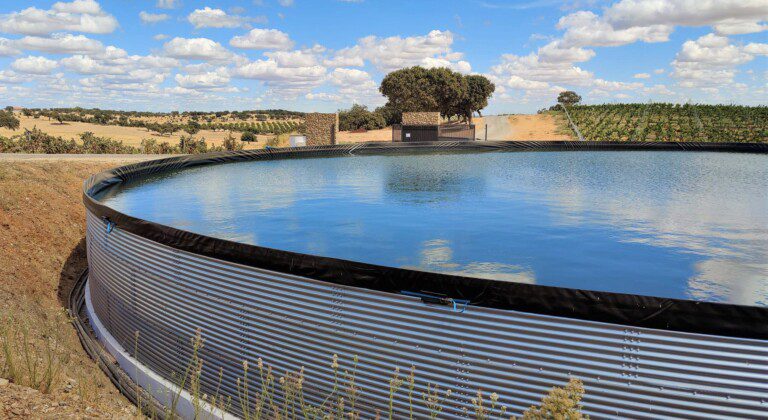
(192, 145)
(230, 143)
(247, 136)
(95, 144)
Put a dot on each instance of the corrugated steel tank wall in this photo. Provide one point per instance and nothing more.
(246, 313)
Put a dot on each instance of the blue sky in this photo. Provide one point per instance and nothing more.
(321, 55)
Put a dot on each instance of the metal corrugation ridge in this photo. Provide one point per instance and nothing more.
(700, 367)
(247, 313)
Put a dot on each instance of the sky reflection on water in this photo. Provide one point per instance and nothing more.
(673, 224)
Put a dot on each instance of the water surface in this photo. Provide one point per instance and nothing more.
(690, 225)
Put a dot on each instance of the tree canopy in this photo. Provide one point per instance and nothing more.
(359, 117)
(480, 90)
(417, 89)
(8, 120)
(568, 97)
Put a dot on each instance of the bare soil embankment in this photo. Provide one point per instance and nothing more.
(42, 250)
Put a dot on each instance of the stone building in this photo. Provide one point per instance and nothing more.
(322, 128)
(421, 118)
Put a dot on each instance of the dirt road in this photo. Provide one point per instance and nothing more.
(523, 127)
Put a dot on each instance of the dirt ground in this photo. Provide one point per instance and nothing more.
(544, 126)
(384, 134)
(503, 127)
(42, 249)
(130, 136)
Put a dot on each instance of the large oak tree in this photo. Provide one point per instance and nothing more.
(416, 89)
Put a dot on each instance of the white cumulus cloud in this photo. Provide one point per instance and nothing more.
(727, 16)
(152, 17)
(8, 47)
(34, 65)
(196, 49)
(217, 18)
(711, 60)
(396, 52)
(584, 28)
(61, 44)
(204, 81)
(263, 39)
(168, 4)
(77, 16)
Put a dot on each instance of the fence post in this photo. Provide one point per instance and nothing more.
(486, 131)
(574, 126)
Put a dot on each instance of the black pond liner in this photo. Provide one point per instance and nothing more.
(722, 319)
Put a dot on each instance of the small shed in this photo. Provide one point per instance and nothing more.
(426, 126)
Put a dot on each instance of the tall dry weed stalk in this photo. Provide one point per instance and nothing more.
(267, 396)
(27, 360)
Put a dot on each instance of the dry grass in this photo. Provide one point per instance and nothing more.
(42, 252)
(130, 136)
(546, 126)
(384, 134)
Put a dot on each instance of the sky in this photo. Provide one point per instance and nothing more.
(324, 55)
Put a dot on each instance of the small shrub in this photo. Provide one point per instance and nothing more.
(192, 145)
(95, 144)
(247, 136)
(230, 143)
(280, 140)
(8, 120)
(560, 403)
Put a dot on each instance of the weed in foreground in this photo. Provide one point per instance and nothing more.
(28, 362)
(266, 396)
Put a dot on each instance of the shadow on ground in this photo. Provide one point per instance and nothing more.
(74, 265)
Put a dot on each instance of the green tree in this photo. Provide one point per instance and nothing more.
(8, 120)
(168, 128)
(359, 117)
(192, 127)
(436, 89)
(568, 97)
(57, 116)
(247, 136)
(390, 114)
(480, 90)
(409, 89)
(449, 88)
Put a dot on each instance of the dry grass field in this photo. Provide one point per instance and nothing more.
(42, 249)
(130, 136)
(546, 126)
(384, 134)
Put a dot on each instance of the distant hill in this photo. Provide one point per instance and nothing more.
(671, 122)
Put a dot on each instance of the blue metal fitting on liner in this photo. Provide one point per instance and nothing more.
(459, 305)
(110, 224)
